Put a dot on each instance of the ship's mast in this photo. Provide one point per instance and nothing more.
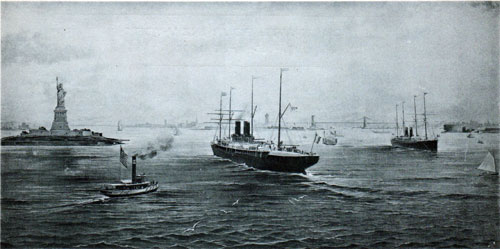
(403, 109)
(397, 125)
(253, 111)
(425, 119)
(415, 111)
(220, 118)
(279, 112)
(230, 114)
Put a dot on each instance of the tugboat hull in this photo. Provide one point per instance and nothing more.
(129, 190)
(266, 160)
(431, 145)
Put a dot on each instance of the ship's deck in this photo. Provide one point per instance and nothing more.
(290, 151)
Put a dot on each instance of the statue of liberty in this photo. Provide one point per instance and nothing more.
(60, 94)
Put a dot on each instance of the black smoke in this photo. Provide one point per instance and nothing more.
(153, 148)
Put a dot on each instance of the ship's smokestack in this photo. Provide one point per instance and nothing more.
(406, 131)
(246, 128)
(237, 128)
(313, 124)
(134, 163)
(411, 131)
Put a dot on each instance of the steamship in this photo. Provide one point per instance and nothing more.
(244, 148)
(135, 186)
(410, 140)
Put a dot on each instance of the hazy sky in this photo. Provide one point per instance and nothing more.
(141, 62)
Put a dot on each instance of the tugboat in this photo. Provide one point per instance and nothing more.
(244, 148)
(136, 186)
(407, 140)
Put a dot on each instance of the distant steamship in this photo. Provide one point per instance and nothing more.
(410, 140)
(60, 134)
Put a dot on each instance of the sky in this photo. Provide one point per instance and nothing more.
(149, 62)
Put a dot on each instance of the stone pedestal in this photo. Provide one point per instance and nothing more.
(60, 123)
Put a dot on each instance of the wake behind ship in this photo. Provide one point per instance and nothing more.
(244, 148)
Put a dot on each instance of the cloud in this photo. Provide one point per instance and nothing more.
(36, 48)
(149, 62)
(488, 5)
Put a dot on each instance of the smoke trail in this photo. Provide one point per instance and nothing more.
(245, 110)
(152, 149)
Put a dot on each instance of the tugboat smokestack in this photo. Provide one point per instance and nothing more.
(237, 128)
(246, 129)
(134, 163)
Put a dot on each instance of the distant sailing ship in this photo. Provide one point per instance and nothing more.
(490, 164)
(135, 186)
(177, 132)
(408, 139)
(120, 127)
(244, 148)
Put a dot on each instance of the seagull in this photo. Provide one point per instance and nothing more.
(192, 229)
(295, 199)
(291, 201)
(224, 211)
(302, 196)
(236, 202)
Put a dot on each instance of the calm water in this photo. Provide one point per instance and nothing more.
(362, 193)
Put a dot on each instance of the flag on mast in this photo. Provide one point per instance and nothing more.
(123, 157)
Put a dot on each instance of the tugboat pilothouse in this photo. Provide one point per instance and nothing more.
(244, 148)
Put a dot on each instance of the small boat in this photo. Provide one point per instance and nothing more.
(177, 132)
(120, 127)
(381, 131)
(329, 140)
(489, 164)
(136, 186)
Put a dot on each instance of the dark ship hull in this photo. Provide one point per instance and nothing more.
(266, 160)
(59, 141)
(431, 145)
